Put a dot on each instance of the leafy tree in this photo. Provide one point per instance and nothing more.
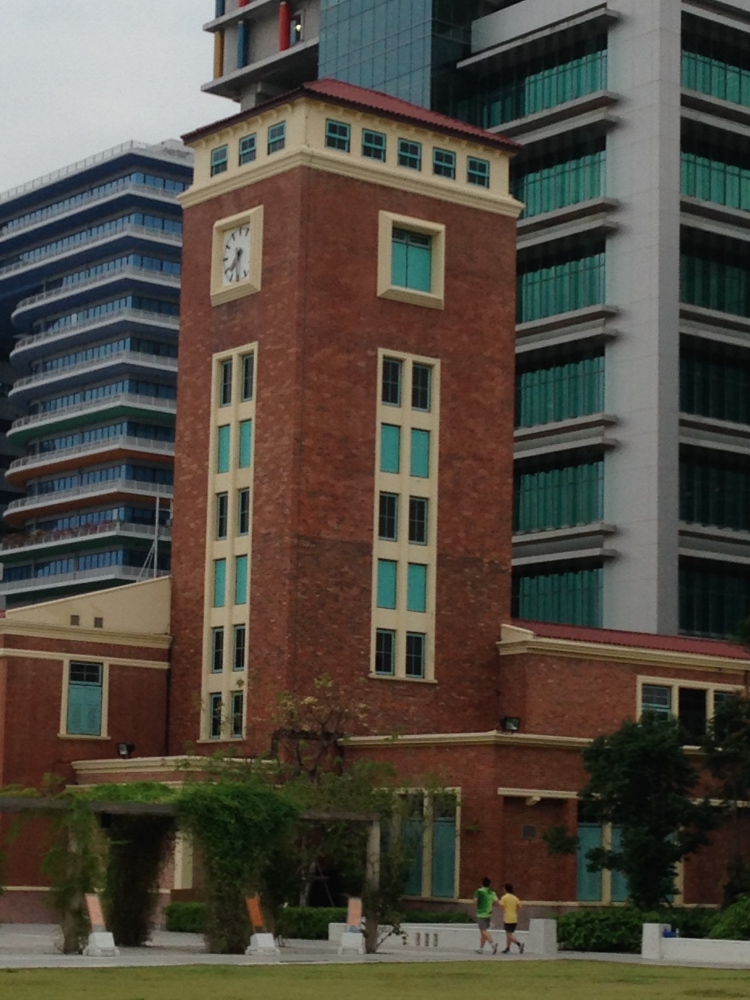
(727, 753)
(640, 779)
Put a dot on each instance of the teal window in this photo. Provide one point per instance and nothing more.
(390, 448)
(565, 177)
(410, 154)
(214, 716)
(385, 651)
(373, 144)
(243, 43)
(222, 515)
(716, 172)
(571, 598)
(588, 884)
(239, 647)
(420, 454)
(552, 284)
(421, 385)
(715, 490)
(240, 580)
(386, 583)
(412, 835)
(478, 171)
(220, 7)
(276, 137)
(246, 444)
(390, 389)
(444, 163)
(561, 391)
(222, 451)
(411, 260)
(219, 160)
(415, 654)
(217, 650)
(220, 583)
(716, 60)
(338, 135)
(418, 508)
(84, 699)
(565, 71)
(248, 377)
(558, 497)
(657, 698)
(248, 148)
(225, 386)
(444, 810)
(388, 517)
(714, 273)
(714, 598)
(715, 384)
(237, 712)
(243, 511)
(416, 588)
(618, 882)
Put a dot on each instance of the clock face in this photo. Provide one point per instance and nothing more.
(235, 260)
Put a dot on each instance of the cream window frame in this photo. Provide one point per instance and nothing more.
(253, 219)
(387, 222)
(427, 839)
(63, 734)
(675, 684)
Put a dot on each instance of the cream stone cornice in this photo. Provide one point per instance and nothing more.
(137, 765)
(517, 640)
(536, 794)
(320, 159)
(114, 661)
(491, 738)
(73, 633)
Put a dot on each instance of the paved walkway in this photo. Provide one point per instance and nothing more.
(37, 946)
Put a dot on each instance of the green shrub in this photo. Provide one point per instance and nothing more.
(615, 930)
(186, 917)
(437, 917)
(734, 922)
(308, 922)
(691, 923)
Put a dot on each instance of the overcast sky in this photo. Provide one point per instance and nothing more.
(80, 76)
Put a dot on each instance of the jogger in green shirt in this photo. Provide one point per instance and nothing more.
(486, 899)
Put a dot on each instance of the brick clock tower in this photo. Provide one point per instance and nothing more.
(343, 478)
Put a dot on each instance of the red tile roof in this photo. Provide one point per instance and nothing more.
(360, 98)
(637, 640)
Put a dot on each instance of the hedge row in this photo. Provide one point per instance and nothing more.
(619, 929)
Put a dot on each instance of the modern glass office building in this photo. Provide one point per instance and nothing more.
(89, 314)
(632, 494)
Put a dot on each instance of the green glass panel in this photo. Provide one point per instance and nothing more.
(416, 588)
(573, 598)
(444, 857)
(412, 833)
(398, 264)
(222, 464)
(220, 582)
(246, 443)
(240, 580)
(390, 447)
(588, 884)
(386, 583)
(84, 709)
(713, 600)
(619, 882)
(420, 454)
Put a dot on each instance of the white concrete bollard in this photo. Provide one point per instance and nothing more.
(101, 944)
(542, 939)
(652, 939)
(352, 941)
(263, 945)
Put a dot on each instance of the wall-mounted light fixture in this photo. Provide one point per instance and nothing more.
(510, 724)
(125, 749)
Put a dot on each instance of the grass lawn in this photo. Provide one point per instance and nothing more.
(450, 981)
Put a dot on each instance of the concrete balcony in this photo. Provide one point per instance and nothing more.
(120, 446)
(74, 539)
(85, 579)
(127, 319)
(26, 428)
(20, 510)
(76, 374)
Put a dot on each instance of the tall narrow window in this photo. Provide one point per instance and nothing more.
(248, 376)
(217, 650)
(246, 443)
(421, 378)
(415, 654)
(338, 135)
(243, 43)
(239, 646)
(248, 149)
(391, 385)
(222, 514)
(219, 160)
(240, 580)
(416, 588)
(214, 716)
(409, 154)
(225, 390)
(84, 699)
(295, 29)
(390, 447)
(243, 512)
(237, 713)
(388, 517)
(418, 520)
(385, 646)
(411, 260)
(420, 454)
(386, 583)
(276, 137)
(222, 451)
(220, 582)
